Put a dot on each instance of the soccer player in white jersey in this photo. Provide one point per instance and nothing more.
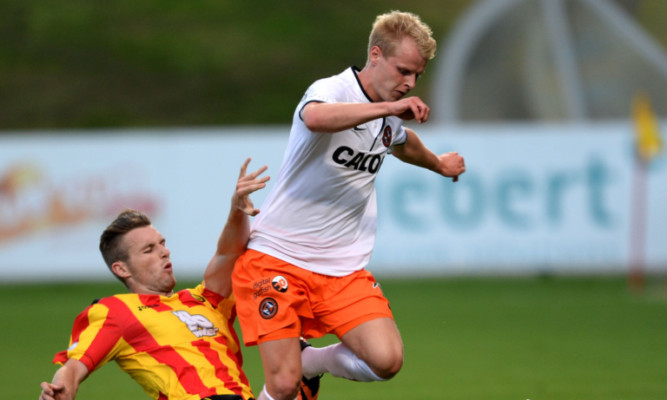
(304, 270)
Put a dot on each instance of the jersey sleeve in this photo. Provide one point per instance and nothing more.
(323, 91)
(95, 338)
(400, 136)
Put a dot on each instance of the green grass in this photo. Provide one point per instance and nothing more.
(532, 338)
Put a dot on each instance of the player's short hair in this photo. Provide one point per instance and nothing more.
(111, 238)
(390, 28)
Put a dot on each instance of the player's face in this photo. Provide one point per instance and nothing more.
(148, 262)
(397, 74)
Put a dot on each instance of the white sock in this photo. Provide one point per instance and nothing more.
(264, 395)
(338, 360)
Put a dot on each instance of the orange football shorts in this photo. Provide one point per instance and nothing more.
(277, 300)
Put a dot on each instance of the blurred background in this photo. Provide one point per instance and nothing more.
(89, 64)
(558, 107)
(555, 105)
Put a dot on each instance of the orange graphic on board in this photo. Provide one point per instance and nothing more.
(31, 202)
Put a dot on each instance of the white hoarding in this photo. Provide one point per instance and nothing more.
(534, 198)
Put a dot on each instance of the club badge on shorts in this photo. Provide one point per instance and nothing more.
(268, 308)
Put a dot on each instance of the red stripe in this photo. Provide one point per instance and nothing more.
(221, 370)
(213, 297)
(153, 301)
(104, 340)
(60, 357)
(142, 341)
(238, 356)
(239, 361)
(80, 324)
(187, 299)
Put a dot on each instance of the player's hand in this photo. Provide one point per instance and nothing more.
(247, 184)
(410, 108)
(451, 165)
(52, 391)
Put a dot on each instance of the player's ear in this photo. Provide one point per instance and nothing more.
(120, 269)
(374, 55)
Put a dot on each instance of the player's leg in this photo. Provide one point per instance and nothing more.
(377, 355)
(282, 368)
(270, 295)
(309, 388)
(354, 308)
(378, 343)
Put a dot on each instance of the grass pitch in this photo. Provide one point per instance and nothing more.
(529, 338)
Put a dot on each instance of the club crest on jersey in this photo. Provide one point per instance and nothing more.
(280, 283)
(199, 298)
(386, 136)
(268, 308)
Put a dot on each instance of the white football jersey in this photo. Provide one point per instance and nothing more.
(321, 213)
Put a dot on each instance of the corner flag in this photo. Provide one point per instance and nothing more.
(647, 132)
(648, 145)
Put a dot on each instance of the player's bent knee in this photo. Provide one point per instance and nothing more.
(283, 392)
(389, 367)
(283, 387)
(387, 364)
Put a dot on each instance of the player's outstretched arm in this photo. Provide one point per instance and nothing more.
(234, 237)
(336, 117)
(65, 382)
(414, 151)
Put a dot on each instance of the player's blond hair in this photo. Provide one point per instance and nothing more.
(390, 28)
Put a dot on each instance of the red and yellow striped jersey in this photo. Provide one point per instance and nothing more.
(178, 347)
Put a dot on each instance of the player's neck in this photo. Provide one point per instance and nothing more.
(366, 83)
